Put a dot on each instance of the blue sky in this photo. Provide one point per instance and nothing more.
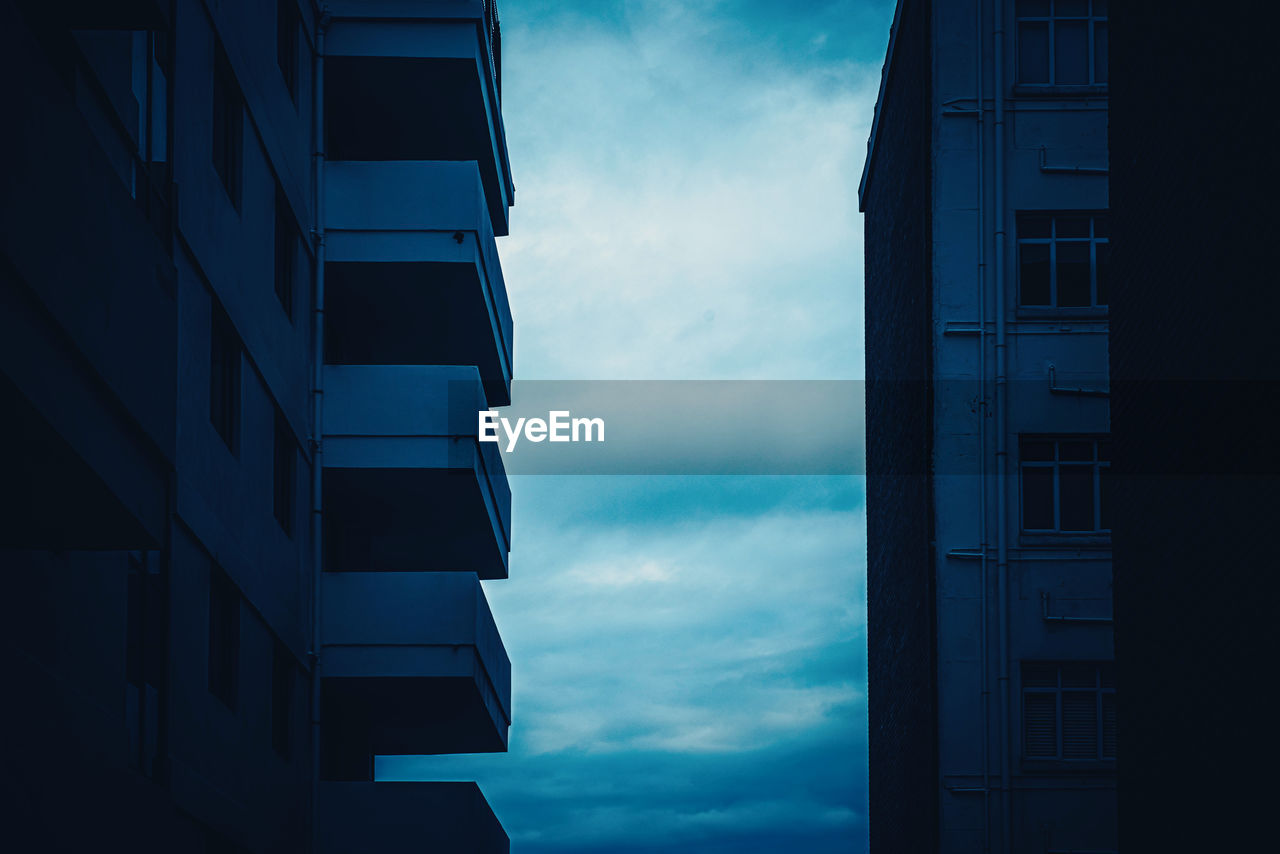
(688, 652)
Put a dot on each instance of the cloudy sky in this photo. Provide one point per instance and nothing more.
(688, 652)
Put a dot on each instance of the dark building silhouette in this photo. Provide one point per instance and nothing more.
(1196, 377)
(992, 695)
(250, 303)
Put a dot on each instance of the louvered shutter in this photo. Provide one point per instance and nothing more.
(1040, 725)
(1079, 725)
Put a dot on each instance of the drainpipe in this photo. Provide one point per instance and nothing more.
(984, 657)
(1002, 418)
(317, 413)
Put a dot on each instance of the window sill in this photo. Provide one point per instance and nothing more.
(1064, 540)
(1030, 90)
(1072, 313)
(1069, 766)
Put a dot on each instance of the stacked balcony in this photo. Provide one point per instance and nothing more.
(446, 818)
(417, 341)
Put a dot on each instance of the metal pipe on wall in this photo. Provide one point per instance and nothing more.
(1002, 419)
(984, 653)
(317, 413)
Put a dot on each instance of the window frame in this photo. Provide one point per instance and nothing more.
(226, 367)
(284, 474)
(1098, 465)
(1092, 20)
(287, 240)
(1104, 685)
(288, 43)
(283, 691)
(1094, 308)
(224, 637)
(227, 132)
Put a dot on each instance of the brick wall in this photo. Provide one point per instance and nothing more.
(901, 657)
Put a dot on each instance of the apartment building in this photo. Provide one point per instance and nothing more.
(992, 691)
(250, 303)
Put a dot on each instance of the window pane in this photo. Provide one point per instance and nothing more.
(1071, 226)
(1103, 253)
(1033, 53)
(1079, 676)
(1078, 451)
(1101, 226)
(1070, 53)
(1104, 499)
(1034, 226)
(1037, 497)
(1100, 8)
(1079, 725)
(1040, 725)
(1108, 726)
(1037, 451)
(1033, 274)
(1040, 676)
(1073, 274)
(1068, 8)
(1075, 497)
(1100, 52)
(1033, 8)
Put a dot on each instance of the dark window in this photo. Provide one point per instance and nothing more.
(286, 252)
(1063, 484)
(224, 377)
(224, 637)
(287, 25)
(146, 622)
(1068, 711)
(283, 468)
(1062, 42)
(228, 125)
(1062, 260)
(282, 678)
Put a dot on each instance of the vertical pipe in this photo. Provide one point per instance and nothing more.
(983, 655)
(317, 413)
(1001, 405)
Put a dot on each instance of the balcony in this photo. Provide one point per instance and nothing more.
(412, 663)
(413, 275)
(407, 486)
(418, 81)
(448, 818)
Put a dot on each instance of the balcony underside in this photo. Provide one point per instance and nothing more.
(418, 313)
(412, 664)
(389, 108)
(412, 520)
(389, 818)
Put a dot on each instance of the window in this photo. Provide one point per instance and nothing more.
(287, 25)
(1068, 711)
(282, 676)
(1063, 483)
(1063, 260)
(224, 377)
(283, 456)
(286, 252)
(1062, 42)
(146, 625)
(228, 126)
(224, 637)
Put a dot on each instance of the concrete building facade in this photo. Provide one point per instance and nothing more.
(992, 694)
(252, 302)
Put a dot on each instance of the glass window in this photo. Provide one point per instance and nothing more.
(1062, 260)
